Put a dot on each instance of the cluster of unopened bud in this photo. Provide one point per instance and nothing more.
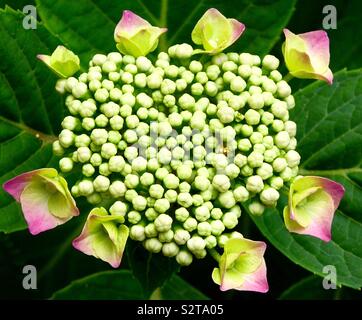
(175, 145)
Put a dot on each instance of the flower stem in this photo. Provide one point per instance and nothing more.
(214, 254)
(288, 77)
(163, 23)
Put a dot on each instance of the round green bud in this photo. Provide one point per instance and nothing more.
(166, 236)
(269, 197)
(163, 222)
(181, 236)
(227, 199)
(254, 184)
(204, 229)
(88, 170)
(184, 187)
(147, 179)
(84, 154)
(279, 164)
(139, 203)
(118, 189)
(134, 217)
(162, 205)
(230, 220)
(256, 208)
(108, 150)
(241, 194)
(216, 213)
(184, 258)
(94, 198)
(130, 194)
(221, 182)
(225, 114)
(131, 153)
(151, 214)
(270, 62)
(101, 183)
(170, 249)
(202, 213)
(171, 196)
(137, 233)
(184, 199)
(293, 158)
(181, 214)
(222, 239)
(184, 172)
(153, 245)
(190, 224)
(196, 243)
(252, 117)
(150, 230)
(66, 164)
(217, 227)
(131, 181)
(85, 188)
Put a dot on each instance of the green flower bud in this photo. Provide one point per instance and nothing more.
(137, 233)
(227, 199)
(153, 245)
(139, 203)
(221, 182)
(230, 220)
(84, 154)
(163, 222)
(184, 258)
(269, 197)
(241, 194)
(85, 188)
(225, 114)
(151, 214)
(196, 243)
(134, 217)
(255, 159)
(204, 229)
(108, 150)
(184, 172)
(150, 230)
(256, 208)
(265, 171)
(170, 249)
(279, 109)
(278, 125)
(286, 174)
(252, 117)
(162, 205)
(130, 194)
(293, 158)
(217, 227)
(118, 189)
(171, 196)
(131, 181)
(254, 184)
(270, 62)
(190, 224)
(96, 159)
(282, 139)
(166, 236)
(101, 121)
(202, 213)
(101, 183)
(66, 138)
(279, 164)
(66, 164)
(88, 170)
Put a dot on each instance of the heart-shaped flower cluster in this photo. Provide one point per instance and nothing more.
(175, 145)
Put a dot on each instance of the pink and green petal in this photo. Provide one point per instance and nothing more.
(16, 185)
(256, 281)
(102, 237)
(44, 197)
(129, 25)
(242, 266)
(215, 32)
(307, 55)
(63, 62)
(237, 30)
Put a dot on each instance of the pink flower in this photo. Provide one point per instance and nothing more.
(103, 236)
(44, 197)
(311, 206)
(136, 36)
(242, 266)
(215, 32)
(307, 55)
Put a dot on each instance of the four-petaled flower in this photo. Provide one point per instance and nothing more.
(311, 206)
(307, 55)
(242, 266)
(215, 32)
(44, 197)
(136, 36)
(103, 236)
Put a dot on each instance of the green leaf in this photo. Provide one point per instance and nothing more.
(152, 270)
(72, 21)
(178, 289)
(310, 288)
(108, 285)
(344, 251)
(29, 114)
